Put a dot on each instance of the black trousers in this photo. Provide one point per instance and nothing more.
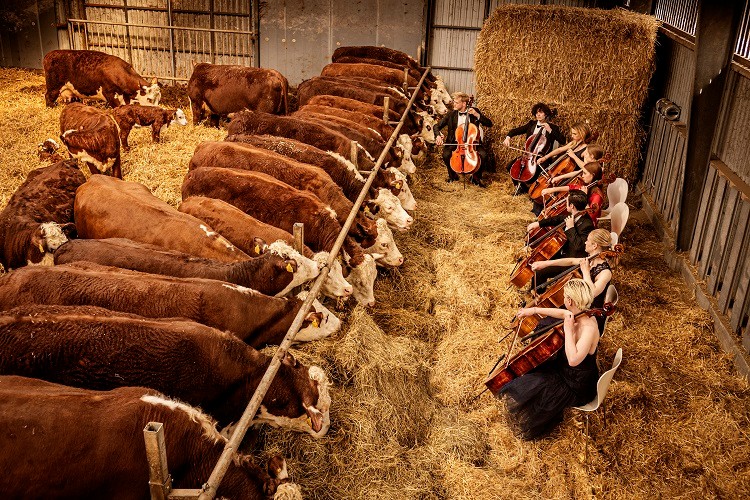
(483, 159)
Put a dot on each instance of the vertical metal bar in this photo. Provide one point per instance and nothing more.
(159, 480)
(212, 35)
(386, 107)
(39, 31)
(256, 33)
(127, 31)
(714, 47)
(171, 41)
(354, 154)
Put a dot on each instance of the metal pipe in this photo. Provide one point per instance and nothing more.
(212, 485)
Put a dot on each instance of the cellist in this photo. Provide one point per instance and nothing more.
(452, 120)
(580, 134)
(540, 123)
(577, 225)
(595, 269)
(590, 171)
(536, 400)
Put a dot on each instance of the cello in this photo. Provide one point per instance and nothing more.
(524, 168)
(465, 158)
(544, 345)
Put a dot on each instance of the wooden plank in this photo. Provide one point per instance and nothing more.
(708, 193)
(674, 216)
(738, 318)
(712, 219)
(739, 240)
(718, 252)
(672, 177)
(662, 178)
(652, 147)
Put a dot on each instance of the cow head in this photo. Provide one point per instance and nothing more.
(179, 118)
(45, 239)
(362, 277)
(335, 285)
(404, 147)
(386, 246)
(298, 399)
(385, 204)
(427, 128)
(304, 269)
(149, 95)
(364, 230)
(400, 188)
(441, 91)
(318, 324)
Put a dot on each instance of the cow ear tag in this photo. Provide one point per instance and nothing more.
(367, 209)
(289, 268)
(315, 323)
(257, 249)
(41, 248)
(398, 185)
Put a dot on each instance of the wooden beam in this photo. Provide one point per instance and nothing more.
(716, 35)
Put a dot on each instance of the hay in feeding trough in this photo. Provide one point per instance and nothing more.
(592, 65)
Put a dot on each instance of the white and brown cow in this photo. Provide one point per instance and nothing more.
(91, 137)
(156, 117)
(96, 75)
(382, 53)
(223, 370)
(39, 215)
(281, 205)
(65, 442)
(276, 272)
(110, 208)
(224, 89)
(242, 230)
(253, 317)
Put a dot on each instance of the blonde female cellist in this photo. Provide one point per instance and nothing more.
(536, 400)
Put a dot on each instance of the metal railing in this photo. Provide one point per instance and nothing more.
(163, 51)
(209, 489)
(681, 14)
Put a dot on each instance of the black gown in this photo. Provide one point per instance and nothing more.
(536, 401)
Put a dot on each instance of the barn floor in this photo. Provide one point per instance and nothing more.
(405, 421)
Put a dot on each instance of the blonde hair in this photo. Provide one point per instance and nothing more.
(601, 237)
(579, 292)
(595, 151)
(463, 96)
(584, 130)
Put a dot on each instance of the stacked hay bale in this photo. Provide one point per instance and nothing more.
(592, 65)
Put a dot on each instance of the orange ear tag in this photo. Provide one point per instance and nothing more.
(315, 323)
(41, 248)
(257, 249)
(289, 268)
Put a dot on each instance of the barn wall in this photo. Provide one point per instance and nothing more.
(299, 36)
(37, 35)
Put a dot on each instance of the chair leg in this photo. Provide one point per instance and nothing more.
(586, 452)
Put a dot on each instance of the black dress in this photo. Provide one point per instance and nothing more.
(536, 401)
(598, 301)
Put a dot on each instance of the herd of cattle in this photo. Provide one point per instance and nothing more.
(111, 289)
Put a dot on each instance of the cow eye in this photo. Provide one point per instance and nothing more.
(429, 128)
(385, 245)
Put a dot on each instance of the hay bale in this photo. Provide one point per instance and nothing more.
(592, 65)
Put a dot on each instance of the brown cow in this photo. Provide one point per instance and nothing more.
(241, 229)
(382, 53)
(158, 118)
(342, 171)
(253, 317)
(91, 137)
(349, 89)
(384, 130)
(414, 73)
(388, 76)
(299, 175)
(95, 75)
(62, 442)
(281, 205)
(110, 208)
(123, 349)
(39, 215)
(249, 122)
(275, 273)
(353, 105)
(222, 89)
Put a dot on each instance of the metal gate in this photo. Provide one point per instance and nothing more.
(162, 41)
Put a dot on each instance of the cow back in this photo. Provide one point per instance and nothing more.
(384, 74)
(110, 208)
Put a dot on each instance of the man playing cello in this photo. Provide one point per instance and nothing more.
(452, 120)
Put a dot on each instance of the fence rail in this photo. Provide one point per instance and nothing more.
(163, 51)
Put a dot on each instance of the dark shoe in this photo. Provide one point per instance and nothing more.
(450, 179)
(478, 183)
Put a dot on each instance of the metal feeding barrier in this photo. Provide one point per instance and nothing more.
(160, 481)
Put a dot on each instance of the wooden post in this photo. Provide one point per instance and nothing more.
(406, 80)
(386, 107)
(159, 480)
(298, 231)
(354, 152)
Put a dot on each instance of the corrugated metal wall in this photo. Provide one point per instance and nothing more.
(720, 249)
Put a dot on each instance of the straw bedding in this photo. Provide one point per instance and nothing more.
(592, 65)
(405, 421)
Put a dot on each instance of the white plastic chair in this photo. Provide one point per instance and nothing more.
(617, 192)
(618, 218)
(602, 386)
(611, 296)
